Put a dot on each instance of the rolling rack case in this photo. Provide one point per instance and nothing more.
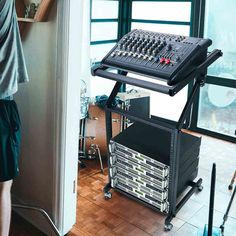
(177, 60)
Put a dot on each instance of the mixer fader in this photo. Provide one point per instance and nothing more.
(157, 54)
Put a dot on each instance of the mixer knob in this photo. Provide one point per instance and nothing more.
(164, 42)
(155, 52)
(162, 60)
(140, 56)
(134, 48)
(119, 46)
(113, 54)
(152, 48)
(130, 54)
(149, 51)
(150, 58)
(144, 50)
(177, 58)
(125, 39)
(119, 53)
(167, 61)
(169, 47)
(139, 49)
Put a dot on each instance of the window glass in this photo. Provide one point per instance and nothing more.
(164, 28)
(162, 105)
(104, 31)
(219, 26)
(104, 9)
(99, 51)
(217, 109)
(171, 11)
(101, 86)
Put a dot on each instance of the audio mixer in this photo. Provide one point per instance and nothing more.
(163, 56)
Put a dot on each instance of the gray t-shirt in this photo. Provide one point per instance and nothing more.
(12, 63)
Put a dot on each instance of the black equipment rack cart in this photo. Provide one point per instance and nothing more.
(198, 74)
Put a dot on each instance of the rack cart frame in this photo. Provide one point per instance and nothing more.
(198, 75)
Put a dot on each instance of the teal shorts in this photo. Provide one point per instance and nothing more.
(10, 138)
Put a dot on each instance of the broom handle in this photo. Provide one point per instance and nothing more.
(212, 196)
(229, 206)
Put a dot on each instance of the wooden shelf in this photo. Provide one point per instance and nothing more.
(41, 14)
(29, 20)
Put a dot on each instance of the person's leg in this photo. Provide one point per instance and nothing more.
(5, 207)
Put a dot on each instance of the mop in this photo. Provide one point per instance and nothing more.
(227, 211)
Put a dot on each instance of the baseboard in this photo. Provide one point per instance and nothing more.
(34, 217)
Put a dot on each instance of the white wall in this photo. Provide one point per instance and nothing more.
(49, 106)
(37, 103)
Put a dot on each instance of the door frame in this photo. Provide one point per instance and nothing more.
(69, 14)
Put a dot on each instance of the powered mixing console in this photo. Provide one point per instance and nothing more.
(163, 56)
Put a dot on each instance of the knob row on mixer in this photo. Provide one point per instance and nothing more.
(151, 35)
(150, 49)
(162, 59)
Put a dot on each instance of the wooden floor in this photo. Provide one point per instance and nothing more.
(125, 217)
(122, 216)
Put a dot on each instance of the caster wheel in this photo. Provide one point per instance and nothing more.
(82, 165)
(200, 188)
(107, 195)
(168, 227)
(230, 187)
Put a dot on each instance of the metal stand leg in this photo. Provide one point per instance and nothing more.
(100, 158)
(82, 142)
(106, 189)
(41, 211)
